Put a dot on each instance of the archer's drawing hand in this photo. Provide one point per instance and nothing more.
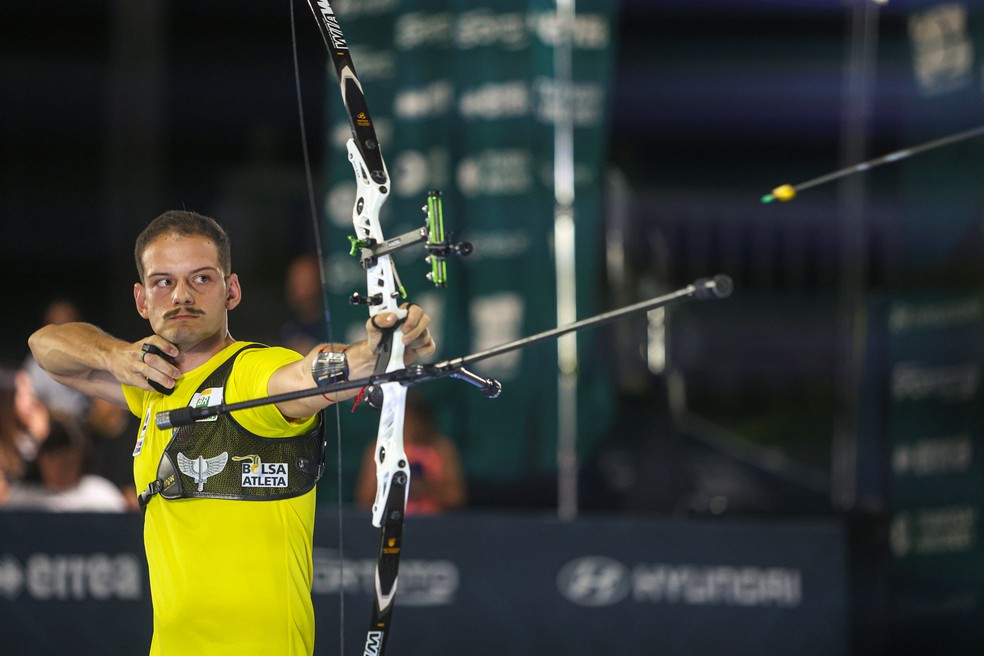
(138, 364)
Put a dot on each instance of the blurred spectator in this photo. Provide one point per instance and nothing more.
(302, 289)
(113, 430)
(437, 481)
(64, 487)
(11, 461)
(60, 399)
(24, 424)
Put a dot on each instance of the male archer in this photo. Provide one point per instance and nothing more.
(228, 544)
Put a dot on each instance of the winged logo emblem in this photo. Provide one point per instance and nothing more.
(201, 468)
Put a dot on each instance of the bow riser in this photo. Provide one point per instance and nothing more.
(391, 459)
(384, 296)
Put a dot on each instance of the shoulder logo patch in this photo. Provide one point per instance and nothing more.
(206, 399)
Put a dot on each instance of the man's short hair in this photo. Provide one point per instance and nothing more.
(187, 224)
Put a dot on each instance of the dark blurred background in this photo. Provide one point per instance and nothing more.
(787, 400)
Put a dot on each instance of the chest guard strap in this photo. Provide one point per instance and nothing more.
(217, 458)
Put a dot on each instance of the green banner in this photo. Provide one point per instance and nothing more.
(464, 99)
(935, 419)
(931, 398)
(940, 232)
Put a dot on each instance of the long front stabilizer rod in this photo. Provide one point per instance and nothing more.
(718, 287)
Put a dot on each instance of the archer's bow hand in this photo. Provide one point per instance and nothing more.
(413, 328)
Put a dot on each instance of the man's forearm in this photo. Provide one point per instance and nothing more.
(297, 376)
(85, 358)
(73, 349)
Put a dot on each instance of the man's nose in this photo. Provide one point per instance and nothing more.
(182, 293)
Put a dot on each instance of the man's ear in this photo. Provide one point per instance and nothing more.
(234, 293)
(140, 298)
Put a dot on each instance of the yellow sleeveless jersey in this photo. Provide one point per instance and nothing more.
(226, 577)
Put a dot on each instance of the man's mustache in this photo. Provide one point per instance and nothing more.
(173, 313)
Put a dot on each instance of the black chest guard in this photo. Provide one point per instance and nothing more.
(219, 459)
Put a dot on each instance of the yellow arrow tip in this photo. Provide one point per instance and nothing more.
(784, 193)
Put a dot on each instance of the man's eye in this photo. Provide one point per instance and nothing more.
(203, 278)
(163, 282)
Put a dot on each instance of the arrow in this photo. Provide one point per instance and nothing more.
(788, 192)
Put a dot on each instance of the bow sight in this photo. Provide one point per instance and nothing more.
(432, 235)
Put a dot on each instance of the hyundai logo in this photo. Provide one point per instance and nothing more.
(594, 581)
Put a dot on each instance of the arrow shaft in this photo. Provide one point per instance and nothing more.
(895, 156)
